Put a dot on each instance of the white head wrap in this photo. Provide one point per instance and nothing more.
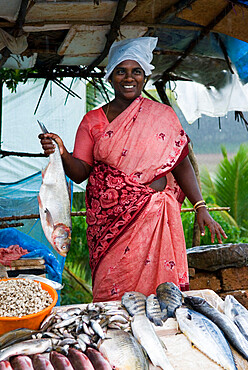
(139, 49)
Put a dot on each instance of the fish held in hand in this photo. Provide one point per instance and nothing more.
(206, 336)
(153, 310)
(170, 298)
(54, 203)
(134, 302)
(229, 329)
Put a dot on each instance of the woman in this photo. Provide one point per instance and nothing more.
(134, 152)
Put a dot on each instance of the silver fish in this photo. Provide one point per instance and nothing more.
(28, 347)
(153, 310)
(134, 302)
(170, 298)
(54, 203)
(16, 335)
(237, 313)
(97, 328)
(206, 336)
(123, 351)
(145, 334)
(229, 329)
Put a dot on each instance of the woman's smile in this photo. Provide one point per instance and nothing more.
(128, 80)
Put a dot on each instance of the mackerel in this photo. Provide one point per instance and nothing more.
(206, 336)
(229, 329)
(237, 313)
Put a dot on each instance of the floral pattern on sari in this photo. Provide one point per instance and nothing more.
(113, 201)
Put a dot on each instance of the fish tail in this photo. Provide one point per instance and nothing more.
(43, 127)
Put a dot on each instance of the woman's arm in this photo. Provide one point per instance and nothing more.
(75, 169)
(186, 179)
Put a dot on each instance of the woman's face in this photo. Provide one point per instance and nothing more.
(128, 80)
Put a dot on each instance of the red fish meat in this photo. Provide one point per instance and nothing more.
(40, 362)
(79, 360)
(21, 363)
(5, 365)
(59, 361)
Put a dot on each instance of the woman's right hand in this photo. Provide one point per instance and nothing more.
(48, 145)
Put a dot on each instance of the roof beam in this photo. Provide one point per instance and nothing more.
(113, 34)
(204, 32)
(16, 30)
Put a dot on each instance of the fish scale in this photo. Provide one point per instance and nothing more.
(170, 298)
(54, 203)
(229, 329)
(237, 313)
(206, 336)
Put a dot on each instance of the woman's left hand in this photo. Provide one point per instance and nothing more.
(204, 219)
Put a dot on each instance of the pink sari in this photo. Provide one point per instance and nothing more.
(135, 234)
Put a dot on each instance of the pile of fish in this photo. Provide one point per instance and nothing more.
(67, 339)
(114, 335)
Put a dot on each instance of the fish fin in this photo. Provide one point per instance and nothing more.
(157, 322)
(164, 316)
(162, 344)
(49, 218)
(39, 201)
(42, 127)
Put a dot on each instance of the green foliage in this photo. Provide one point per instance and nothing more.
(11, 77)
(227, 223)
(229, 186)
(76, 290)
(96, 95)
(233, 232)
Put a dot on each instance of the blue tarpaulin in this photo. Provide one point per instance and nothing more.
(18, 199)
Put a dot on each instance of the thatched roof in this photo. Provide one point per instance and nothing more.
(71, 37)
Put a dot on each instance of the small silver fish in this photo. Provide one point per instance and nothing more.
(97, 328)
(134, 302)
(153, 310)
(15, 336)
(66, 322)
(85, 338)
(169, 297)
(28, 347)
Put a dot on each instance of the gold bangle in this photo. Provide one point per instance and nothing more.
(198, 203)
(200, 206)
